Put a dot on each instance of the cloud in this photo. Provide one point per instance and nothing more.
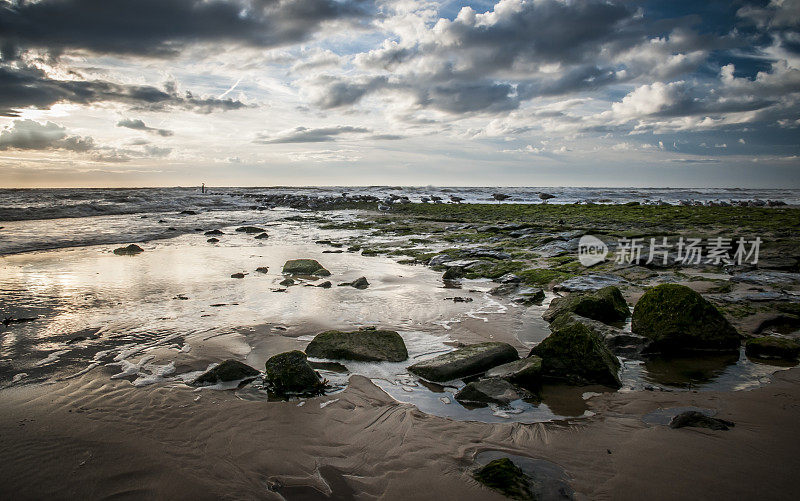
(306, 135)
(32, 135)
(137, 124)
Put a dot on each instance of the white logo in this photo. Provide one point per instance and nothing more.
(591, 250)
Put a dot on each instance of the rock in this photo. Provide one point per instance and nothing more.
(262, 236)
(250, 229)
(504, 289)
(526, 372)
(465, 361)
(779, 322)
(213, 233)
(491, 391)
(589, 283)
(130, 250)
(286, 282)
(290, 372)
(363, 345)
(213, 240)
(188, 212)
(574, 354)
(529, 295)
(229, 370)
(500, 196)
(558, 248)
(772, 278)
(359, 283)
(697, 419)
(237, 275)
(439, 260)
(506, 478)
(325, 285)
(262, 269)
(772, 347)
(605, 305)
(453, 273)
(676, 318)
(490, 253)
(617, 340)
(509, 278)
(305, 267)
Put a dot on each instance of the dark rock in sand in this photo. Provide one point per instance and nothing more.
(250, 229)
(605, 305)
(290, 372)
(506, 478)
(465, 361)
(529, 295)
(504, 289)
(772, 347)
(214, 232)
(365, 345)
(262, 269)
(676, 318)
(213, 240)
(491, 391)
(237, 275)
(286, 282)
(305, 267)
(526, 372)
(229, 370)
(574, 354)
(697, 419)
(262, 236)
(359, 283)
(188, 212)
(325, 285)
(130, 250)
(453, 273)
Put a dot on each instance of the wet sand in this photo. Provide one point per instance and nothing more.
(96, 438)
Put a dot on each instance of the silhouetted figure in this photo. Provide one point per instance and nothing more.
(203, 188)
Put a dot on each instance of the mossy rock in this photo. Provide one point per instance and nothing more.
(130, 250)
(606, 305)
(364, 345)
(575, 355)
(359, 283)
(506, 478)
(290, 373)
(466, 361)
(676, 318)
(526, 372)
(305, 267)
(772, 347)
(453, 273)
(229, 370)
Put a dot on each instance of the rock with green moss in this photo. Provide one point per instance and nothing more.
(305, 267)
(465, 361)
(675, 318)
(525, 372)
(365, 345)
(453, 273)
(529, 295)
(491, 391)
(229, 370)
(130, 250)
(290, 373)
(617, 340)
(575, 355)
(359, 283)
(506, 478)
(772, 347)
(606, 305)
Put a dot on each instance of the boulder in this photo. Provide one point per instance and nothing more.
(697, 419)
(305, 267)
(529, 295)
(606, 305)
(290, 372)
(286, 282)
(616, 339)
(325, 285)
(526, 372)
(262, 236)
(130, 250)
(359, 283)
(453, 273)
(465, 361)
(262, 269)
(365, 345)
(503, 476)
(589, 283)
(491, 391)
(772, 347)
(675, 318)
(213, 240)
(214, 233)
(575, 355)
(229, 370)
(250, 229)
(237, 275)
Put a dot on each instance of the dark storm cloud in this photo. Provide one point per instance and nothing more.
(162, 27)
(306, 135)
(32, 135)
(24, 86)
(137, 124)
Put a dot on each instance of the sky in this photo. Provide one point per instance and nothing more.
(99, 93)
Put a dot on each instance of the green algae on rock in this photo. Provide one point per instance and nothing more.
(229, 370)
(772, 347)
(465, 361)
(290, 372)
(676, 318)
(305, 267)
(606, 305)
(526, 372)
(575, 355)
(363, 345)
(505, 477)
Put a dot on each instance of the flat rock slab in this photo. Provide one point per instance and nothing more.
(775, 278)
(526, 372)
(590, 283)
(492, 390)
(465, 361)
(364, 345)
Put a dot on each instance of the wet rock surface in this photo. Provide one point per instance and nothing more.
(290, 373)
(696, 419)
(491, 390)
(229, 370)
(130, 250)
(465, 361)
(605, 305)
(305, 267)
(370, 345)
